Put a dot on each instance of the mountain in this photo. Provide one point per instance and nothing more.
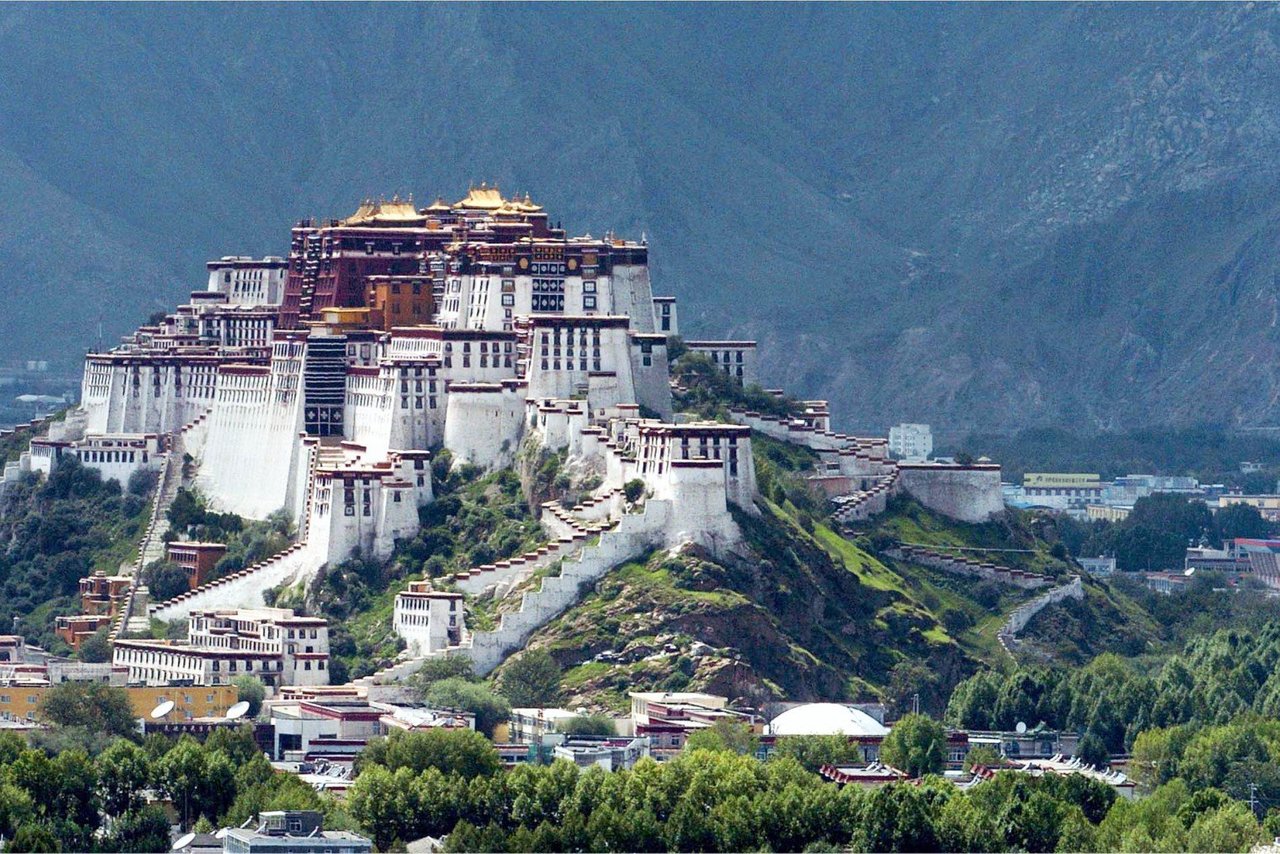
(986, 217)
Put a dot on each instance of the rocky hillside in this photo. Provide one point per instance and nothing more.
(980, 216)
(802, 614)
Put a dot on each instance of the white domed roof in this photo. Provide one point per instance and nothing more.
(825, 719)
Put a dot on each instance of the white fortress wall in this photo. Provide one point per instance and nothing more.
(700, 513)
(632, 295)
(253, 446)
(484, 422)
(651, 373)
(368, 416)
(146, 393)
(968, 493)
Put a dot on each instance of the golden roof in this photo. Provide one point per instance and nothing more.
(384, 212)
(526, 204)
(438, 205)
(483, 198)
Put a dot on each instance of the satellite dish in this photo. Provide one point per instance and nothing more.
(1190, 571)
(163, 709)
(238, 710)
(183, 841)
(1020, 728)
(221, 833)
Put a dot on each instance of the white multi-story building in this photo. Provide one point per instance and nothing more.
(249, 281)
(273, 644)
(911, 441)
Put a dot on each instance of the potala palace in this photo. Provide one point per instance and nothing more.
(322, 383)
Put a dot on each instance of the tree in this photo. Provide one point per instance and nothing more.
(917, 744)
(456, 693)
(982, 755)
(531, 680)
(451, 751)
(726, 735)
(33, 837)
(1092, 751)
(588, 725)
(142, 829)
(249, 689)
(97, 647)
(124, 770)
(91, 705)
(814, 751)
(632, 490)
(165, 580)
(1241, 520)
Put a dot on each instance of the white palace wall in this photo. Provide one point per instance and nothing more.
(484, 423)
(253, 448)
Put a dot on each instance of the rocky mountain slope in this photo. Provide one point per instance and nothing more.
(981, 216)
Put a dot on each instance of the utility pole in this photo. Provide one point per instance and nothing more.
(1253, 799)
(915, 703)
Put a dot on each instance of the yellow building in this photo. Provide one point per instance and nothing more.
(1268, 505)
(21, 701)
(1108, 512)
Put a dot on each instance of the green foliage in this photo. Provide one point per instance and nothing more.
(588, 725)
(633, 490)
(726, 735)
(251, 690)
(1215, 679)
(708, 390)
(91, 705)
(531, 680)
(143, 829)
(489, 708)
(56, 532)
(814, 751)
(125, 771)
(917, 744)
(97, 647)
(450, 751)
(474, 520)
(165, 580)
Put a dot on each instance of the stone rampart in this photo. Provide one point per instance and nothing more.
(960, 565)
(968, 493)
(635, 534)
(1023, 614)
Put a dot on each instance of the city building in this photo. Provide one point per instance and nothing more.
(74, 630)
(198, 559)
(1267, 505)
(667, 719)
(273, 644)
(911, 441)
(1098, 565)
(292, 832)
(103, 594)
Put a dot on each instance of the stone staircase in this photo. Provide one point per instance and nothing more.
(152, 545)
(865, 503)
